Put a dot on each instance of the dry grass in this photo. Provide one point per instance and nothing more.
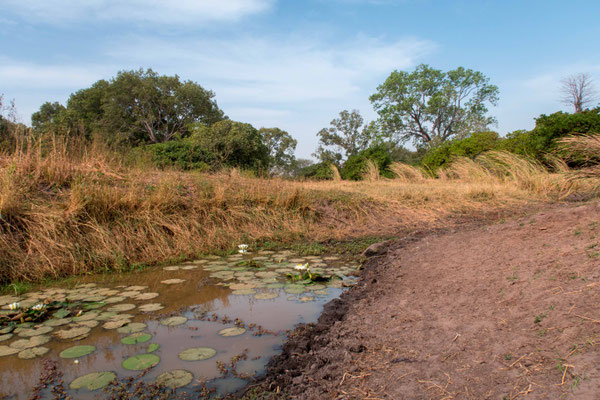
(371, 173)
(69, 209)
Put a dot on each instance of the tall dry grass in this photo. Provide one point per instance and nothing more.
(70, 208)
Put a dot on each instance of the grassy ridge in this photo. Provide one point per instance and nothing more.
(68, 208)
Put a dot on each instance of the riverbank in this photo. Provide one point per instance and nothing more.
(496, 311)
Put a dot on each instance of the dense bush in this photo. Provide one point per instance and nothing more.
(471, 147)
(542, 139)
(355, 166)
(183, 154)
(319, 171)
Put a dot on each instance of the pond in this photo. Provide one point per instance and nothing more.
(210, 323)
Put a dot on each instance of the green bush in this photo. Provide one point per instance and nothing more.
(355, 166)
(319, 171)
(471, 147)
(183, 154)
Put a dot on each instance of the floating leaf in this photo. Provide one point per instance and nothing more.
(117, 323)
(74, 333)
(33, 352)
(32, 342)
(173, 281)
(121, 307)
(189, 267)
(305, 299)
(93, 381)
(5, 337)
(94, 299)
(140, 362)
(174, 321)
(86, 317)
(42, 330)
(77, 351)
(150, 307)
(197, 354)
(94, 306)
(133, 327)
(105, 316)
(295, 289)
(89, 324)
(137, 288)
(130, 293)
(136, 338)
(171, 268)
(7, 351)
(62, 313)
(228, 332)
(175, 379)
(114, 299)
(152, 347)
(242, 286)
(320, 292)
(265, 296)
(146, 296)
(244, 292)
(275, 285)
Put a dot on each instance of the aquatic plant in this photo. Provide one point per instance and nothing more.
(306, 277)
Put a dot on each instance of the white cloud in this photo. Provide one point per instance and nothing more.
(163, 12)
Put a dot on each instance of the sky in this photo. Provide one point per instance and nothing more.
(296, 64)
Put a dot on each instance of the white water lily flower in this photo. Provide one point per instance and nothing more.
(14, 306)
(242, 251)
(243, 246)
(301, 267)
(38, 307)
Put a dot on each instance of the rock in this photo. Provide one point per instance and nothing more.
(376, 249)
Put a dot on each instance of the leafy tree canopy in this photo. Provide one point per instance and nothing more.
(429, 106)
(281, 147)
(49, 116)
(346, 135)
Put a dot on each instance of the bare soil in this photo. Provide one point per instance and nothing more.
(508, 310)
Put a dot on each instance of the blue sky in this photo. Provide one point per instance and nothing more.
(296, 64)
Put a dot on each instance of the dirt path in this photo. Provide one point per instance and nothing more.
(505, 311)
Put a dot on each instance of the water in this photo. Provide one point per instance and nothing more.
(202, 296)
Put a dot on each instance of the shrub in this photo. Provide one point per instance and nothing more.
(470, 147)
(319, 171)
(357, 165)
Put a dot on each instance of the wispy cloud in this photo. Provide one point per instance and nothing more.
(163, 12)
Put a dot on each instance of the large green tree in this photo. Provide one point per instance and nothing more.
(429, 106)
(49, 116)
(347, 134)
(281, 147)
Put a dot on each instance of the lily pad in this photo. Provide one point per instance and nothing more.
(174, 321)
(295, 289)
(42, 330)
(7, 351)
(197, 354)
(171, 268)
(150, 307)
(172, 281)
(152, 347)
(86, 317)
(136, 338)
(93, 381)
(265, 296)
(62, 313)
(116, 323)
(31, 342)
(140, 362)
(244, 292)
(130, 293)
(95, 305)
(74, 333)
(133, 327)
(121, 307)
(229, 332)
(137, 288)
(5, 337)
(77, 351)
(146, 296)
(89, 324)
(32, 352)
(114, 299)
(105, 316)
(175, 379)
(275, 285)
(306, 299)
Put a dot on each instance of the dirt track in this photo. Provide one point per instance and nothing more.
(504, 311)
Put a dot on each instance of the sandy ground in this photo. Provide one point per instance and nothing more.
(508, 310)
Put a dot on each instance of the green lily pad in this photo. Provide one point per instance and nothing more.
(86, 317)
(7, 351)
(172, 281)
(175, 379)
(151, 307)
(93, 381)
(57, 321)
(62, 313)
(229, 332)
(105, 316)
(77, 351)
(140, 362)
(265, 296)
(133, 327)
(152, 347)
(173, 321)
(121, 307)
(197, 354)
(32, 352)
(136, 338)
(295, 289)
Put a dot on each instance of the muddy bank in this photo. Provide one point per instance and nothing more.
(499, 311)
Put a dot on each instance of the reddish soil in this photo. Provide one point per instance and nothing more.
(502, 311)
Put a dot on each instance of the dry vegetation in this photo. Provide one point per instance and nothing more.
(68, 208)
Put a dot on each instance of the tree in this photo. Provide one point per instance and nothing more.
(144, 107)
(281, 147)
(430, 106)
(85, 110)
(578, 91)
(346, 134)
(49, 116)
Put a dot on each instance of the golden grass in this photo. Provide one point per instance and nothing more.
(67, 208)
